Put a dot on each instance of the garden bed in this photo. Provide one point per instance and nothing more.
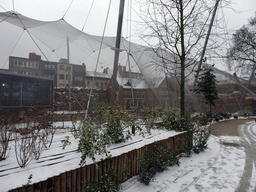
(55, 161)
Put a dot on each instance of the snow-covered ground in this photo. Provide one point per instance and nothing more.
(219, 168)
(55, 160)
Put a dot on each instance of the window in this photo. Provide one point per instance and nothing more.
(62, 67)
(79, 79)
(15, 62)
(61, 76)
(20, 63)
(66, 77)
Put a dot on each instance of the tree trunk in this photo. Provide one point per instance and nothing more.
(182, 70)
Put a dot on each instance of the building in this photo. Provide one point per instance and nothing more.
(56, 71)
(101, 80)
(134, 92)
(21, 92)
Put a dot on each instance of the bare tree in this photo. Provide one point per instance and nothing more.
(6, 128)
(176, 30)
(241, 56)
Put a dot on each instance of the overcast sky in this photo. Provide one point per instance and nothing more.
(50, 10)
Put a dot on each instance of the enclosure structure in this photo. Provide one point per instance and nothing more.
(21, 92)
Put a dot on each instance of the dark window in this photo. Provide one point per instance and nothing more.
(62, 67)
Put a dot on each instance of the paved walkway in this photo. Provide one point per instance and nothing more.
(228, 165)
(247, 133)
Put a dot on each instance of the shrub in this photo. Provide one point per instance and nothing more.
(156, 161)
(109, 181)
(34, 134)
(246, 113)
(6, 128)
(172, 120)
(150, 118)
(200, 139)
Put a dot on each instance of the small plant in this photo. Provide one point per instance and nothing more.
(109, 181)
(246, 113)
(195, 141)
(172, 120)
(33, 135)
(156, 161)
(24, 145)
(27, 186)
(6, 128)
(200, 140)
(150, 117)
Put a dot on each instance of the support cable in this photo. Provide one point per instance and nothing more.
(105, 26)
(14, 47)
(88, 15)
(67, 9)
(129, 52)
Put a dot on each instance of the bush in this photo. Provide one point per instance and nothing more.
(6, 128)
(246, 113)
(156, 161)
(172, 120)
(94, 138)
(200, 140)
(109, 181)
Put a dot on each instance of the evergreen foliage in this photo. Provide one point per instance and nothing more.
(156, 161)
(207, 85)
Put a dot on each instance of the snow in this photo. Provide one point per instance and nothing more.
(218, 168)
(55, 160)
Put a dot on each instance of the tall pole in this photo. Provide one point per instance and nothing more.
(248, 83)
(69, 68)
(206, 41)
(117, 50)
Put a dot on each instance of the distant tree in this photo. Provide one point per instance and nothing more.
(241, 56)
(207, 85)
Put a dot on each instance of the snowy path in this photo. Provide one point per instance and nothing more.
(247, 133)
(219, 168)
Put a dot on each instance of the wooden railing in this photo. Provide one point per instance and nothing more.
(75, 180)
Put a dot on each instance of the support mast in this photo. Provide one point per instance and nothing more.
(206, 41)
(117, 50)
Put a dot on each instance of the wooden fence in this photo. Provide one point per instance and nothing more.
(74, 180)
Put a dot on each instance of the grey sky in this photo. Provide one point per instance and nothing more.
(49, 10)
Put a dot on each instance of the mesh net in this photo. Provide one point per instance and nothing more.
(154, 87)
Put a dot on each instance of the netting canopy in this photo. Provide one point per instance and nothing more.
(49, 39)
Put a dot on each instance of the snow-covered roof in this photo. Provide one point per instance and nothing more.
(97, 74)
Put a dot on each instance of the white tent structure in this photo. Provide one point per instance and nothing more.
(50, 40)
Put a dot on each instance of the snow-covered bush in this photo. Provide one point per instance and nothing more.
(33, 134)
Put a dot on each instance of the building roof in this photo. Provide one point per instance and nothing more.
(97, 74)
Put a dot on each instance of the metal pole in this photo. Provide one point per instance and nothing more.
(248, 83)
(69, 67)
(117, 50)
(206, 41)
